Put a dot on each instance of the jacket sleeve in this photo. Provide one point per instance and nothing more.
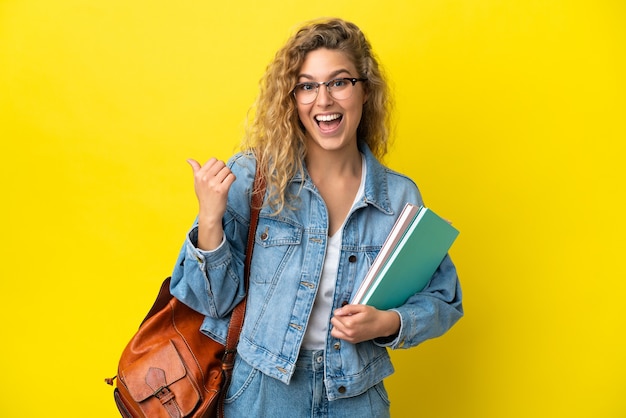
(431, 312)
(207, 281)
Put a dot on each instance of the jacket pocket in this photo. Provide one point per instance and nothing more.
(276, 240)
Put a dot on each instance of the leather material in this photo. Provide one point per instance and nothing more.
(169, 353)
(169, 369)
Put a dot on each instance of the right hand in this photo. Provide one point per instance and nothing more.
(212, 182)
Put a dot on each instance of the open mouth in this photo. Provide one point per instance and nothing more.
(329, 122)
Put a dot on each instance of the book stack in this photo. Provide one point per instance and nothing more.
(416, 245)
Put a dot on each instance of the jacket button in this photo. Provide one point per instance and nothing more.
(264, 236)
(341, 389)
(344, 303)
(352, 258)
(337, 346)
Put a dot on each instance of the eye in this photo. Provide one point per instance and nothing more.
(306, 87)
(339, 83)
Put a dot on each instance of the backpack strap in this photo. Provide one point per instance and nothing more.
(236, 320)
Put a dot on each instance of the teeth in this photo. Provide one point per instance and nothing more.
(327, 118)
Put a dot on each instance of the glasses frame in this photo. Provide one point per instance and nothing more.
(317, 85)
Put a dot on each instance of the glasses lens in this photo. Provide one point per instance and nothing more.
(305, 92)
(340, 88)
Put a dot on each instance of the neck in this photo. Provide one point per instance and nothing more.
(322, 164)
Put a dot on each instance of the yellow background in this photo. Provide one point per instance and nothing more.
(510, 117)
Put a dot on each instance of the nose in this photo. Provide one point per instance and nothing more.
(323, 96)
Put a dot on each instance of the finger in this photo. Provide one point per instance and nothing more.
(337, 327)
(195, 166)
(213, 166)
(348, 310)
(224, 176)
(230, 179)
(343, 323)
(335, 333)
(343, 334)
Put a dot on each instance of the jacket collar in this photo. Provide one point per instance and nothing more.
(376, 185)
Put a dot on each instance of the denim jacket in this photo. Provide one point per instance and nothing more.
(287, 263)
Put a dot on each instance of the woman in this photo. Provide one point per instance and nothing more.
(319, 127)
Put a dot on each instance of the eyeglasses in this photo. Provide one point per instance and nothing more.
(338, 88)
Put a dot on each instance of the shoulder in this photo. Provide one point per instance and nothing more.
(243, 166)
(402, 188)
(389, 189)
(396, 177)
(242, 163)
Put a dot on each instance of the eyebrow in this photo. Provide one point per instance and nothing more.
(333, 75)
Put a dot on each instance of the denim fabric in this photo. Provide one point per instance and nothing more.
(253, 394)
(285, 272)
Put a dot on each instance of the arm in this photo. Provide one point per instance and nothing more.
(207, 275)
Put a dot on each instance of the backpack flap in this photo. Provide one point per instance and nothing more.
(159, 380)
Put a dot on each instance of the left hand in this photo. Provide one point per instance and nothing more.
(357, 323)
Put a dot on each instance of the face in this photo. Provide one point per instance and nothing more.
(330, 124)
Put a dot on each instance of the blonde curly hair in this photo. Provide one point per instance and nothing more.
(274, 133)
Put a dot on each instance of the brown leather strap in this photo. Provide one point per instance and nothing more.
(169, 402)
(161, 301)
(156, 380)
(236, 320)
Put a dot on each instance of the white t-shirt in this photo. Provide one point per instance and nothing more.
(317, 328)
